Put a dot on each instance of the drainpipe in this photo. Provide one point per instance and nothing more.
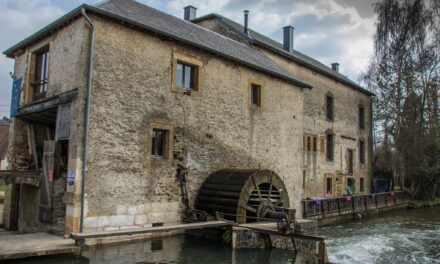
(86, 127)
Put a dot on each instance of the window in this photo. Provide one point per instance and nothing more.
(314, 144)
(362, 151)
(362, 185)
(328, 186)
(350, 161)
(310, 143)
(330, 147)
(39, 84)
(159, 143)
(361, 117)
(329, 106)
(256, 94)
(187, 75)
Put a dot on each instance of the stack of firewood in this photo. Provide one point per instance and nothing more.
(20, 163)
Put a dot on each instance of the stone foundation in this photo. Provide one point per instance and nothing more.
(135, 216)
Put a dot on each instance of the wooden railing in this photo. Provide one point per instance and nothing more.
(352, 204)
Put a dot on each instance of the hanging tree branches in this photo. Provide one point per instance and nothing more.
(405, 74)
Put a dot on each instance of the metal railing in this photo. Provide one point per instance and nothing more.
(352, 204)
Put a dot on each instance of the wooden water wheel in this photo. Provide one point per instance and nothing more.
(242, 195)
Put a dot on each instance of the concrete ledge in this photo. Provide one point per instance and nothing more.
(36, 244)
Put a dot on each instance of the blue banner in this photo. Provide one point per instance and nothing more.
(15, 98)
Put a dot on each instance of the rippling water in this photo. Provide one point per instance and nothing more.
(411, 236)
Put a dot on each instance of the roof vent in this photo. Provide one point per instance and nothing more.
(335, 67)
(288, 38)
(246, 17)
(189, 13)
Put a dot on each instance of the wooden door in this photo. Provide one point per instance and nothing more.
(46, 182)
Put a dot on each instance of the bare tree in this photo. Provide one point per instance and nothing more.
(404, 73)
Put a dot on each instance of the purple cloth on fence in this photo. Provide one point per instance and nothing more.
(316, 205)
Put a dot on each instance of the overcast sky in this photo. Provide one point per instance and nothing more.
(327, 30)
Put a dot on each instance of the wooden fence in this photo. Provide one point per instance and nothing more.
(320, 208)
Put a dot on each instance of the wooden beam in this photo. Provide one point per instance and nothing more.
(199, 225)
(275, 232)
(49, 102)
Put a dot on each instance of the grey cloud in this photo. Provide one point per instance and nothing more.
(364, 7)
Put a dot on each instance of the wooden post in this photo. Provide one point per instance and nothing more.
(31, 143)
(322, 253)
(375, 199)
(305, 204)
(352, 204)
(295, 245)
(339, 205)
(366, 204)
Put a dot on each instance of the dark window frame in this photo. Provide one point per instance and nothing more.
(41, 74)
(159, 143)
(330, 109)
(192, 75)
(361, 117)
(330, 143)
(328, 186)
(362, 151)
(350, 164)
(361, 184)
(256, 95)
(315, 144)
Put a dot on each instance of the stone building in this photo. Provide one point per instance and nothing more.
(142, 96)
(337, 113)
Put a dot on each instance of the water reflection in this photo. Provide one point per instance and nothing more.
(186, 249)
(178, 249)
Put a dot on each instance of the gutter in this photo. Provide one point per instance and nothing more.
(87, 114)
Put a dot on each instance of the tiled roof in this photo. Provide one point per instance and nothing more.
(150, 19)
(277, 47)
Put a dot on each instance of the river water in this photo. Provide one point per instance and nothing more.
(411, 236)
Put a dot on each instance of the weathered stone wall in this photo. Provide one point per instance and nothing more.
(344, 126)
(68, 49)
(132, 89)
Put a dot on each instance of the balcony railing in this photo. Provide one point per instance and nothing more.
(320, 208)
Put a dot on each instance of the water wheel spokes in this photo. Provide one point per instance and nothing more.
(242, 195)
